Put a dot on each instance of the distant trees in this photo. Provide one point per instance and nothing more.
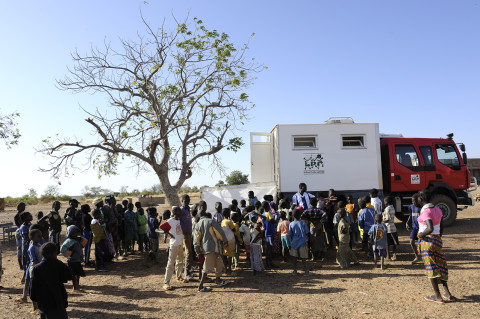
(220, 183)
(52, 190)
(237, 178)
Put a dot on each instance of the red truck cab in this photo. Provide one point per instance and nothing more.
(413, 164)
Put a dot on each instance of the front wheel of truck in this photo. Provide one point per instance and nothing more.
(448, 207)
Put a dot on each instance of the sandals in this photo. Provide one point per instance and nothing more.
(223, 283)
(449, 299)
(205, 289)
(433, 299)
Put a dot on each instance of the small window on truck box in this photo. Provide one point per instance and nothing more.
(353, 141)
(304, 142)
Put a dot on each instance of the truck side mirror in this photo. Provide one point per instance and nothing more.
(462, 147)
(464, 155)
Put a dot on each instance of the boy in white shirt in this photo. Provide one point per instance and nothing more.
(175, 257)
(375, 201)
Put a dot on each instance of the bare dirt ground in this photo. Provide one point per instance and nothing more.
(133, 288)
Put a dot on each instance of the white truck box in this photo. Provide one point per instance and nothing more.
(339, 154)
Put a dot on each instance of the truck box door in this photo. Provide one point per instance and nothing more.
(406, 174)
(261, 156)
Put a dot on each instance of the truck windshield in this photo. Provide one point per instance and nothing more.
(447, 155)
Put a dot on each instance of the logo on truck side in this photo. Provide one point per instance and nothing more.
(313, 163)
(415, 179)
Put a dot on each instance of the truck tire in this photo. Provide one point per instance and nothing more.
(448, 207)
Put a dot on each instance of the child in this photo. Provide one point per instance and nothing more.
(34, 257)
(366, 218)
(42, 222)
(378, 239)
(353, 211)
(269, 229)
(207, 234)
(243, 205)
(345, 255)
(143, 243)
(256, 262)
(87, 232)
(282, 228)
(152, 227)
(131, 230)
(175, 257)
(18, 241)
(389, 221)
(72, 249)
(55, 222)
(99, 237)
(24, 231)
(375, 201)
(47, 284)
(166, 216)
(20, 209)
(230, 233)
(298, 231)
(246, 237)
(218, 216)
(412, 225)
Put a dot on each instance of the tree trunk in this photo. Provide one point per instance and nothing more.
(171, 193)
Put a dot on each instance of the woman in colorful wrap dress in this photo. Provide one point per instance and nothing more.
(430, 247)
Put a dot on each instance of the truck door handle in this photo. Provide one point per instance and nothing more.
(398, 177)
(439, 176)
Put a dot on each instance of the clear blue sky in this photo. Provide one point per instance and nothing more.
(412, 66)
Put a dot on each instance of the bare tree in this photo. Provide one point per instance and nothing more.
(8, 131)
(174, 98)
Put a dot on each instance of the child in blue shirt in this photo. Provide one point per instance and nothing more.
(33, 252)
(366, 219)
(378, 238)
(412, 225)
(298, 231)
(24, 231)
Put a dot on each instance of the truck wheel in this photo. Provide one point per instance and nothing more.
(448, 207)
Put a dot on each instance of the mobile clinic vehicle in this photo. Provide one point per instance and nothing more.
(354, 157)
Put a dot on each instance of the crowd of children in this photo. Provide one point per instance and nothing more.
(304, 230)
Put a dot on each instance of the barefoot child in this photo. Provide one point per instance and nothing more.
(35, 237)
(24, 231)
(412, 226)
(389, 221)
(282, 228)
(73, 250)
(378, 239)
(47, 284)
(345, 255)
(298, 231)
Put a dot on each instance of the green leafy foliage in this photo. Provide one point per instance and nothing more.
(8, 131)
(237, 178)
